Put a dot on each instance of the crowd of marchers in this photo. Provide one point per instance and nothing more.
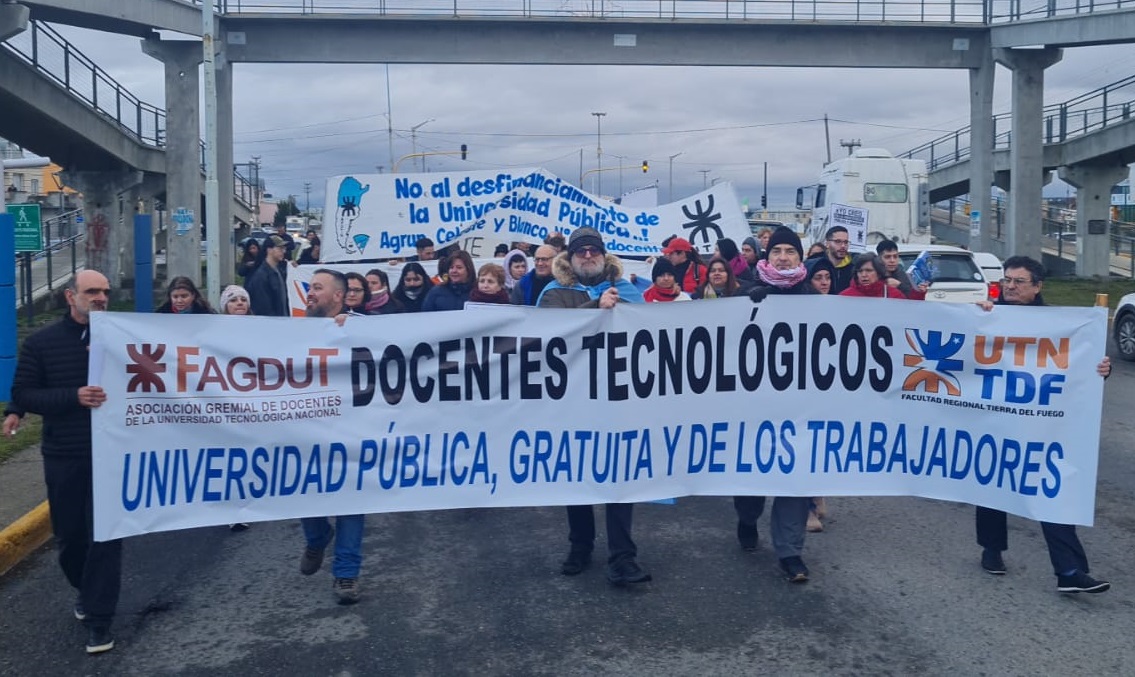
(52, 380)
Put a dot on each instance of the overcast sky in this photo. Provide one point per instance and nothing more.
(308, 122)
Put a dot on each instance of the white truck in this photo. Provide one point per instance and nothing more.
(895, 192)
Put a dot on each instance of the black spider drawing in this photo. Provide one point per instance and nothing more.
(349, 207)
(702, 221)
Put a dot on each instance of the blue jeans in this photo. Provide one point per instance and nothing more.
(348, 541)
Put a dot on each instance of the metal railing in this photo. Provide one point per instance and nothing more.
(57, 60)
(1080, 115)
(949, 11)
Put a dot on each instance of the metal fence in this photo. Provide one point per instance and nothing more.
(1090, 112)
(949, 11)
(44, 49)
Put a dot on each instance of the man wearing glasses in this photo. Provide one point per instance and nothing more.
(51, 380)
(586, 277)
(530, 285)
(837, 242)
(1021, 286)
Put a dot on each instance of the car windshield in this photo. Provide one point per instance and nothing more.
(948, 266)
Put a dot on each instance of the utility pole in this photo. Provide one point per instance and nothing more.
(599, 154)
(671, 198)
(850, 145)
(764, 195)
(389, 121)
(827, 139)
(414, 137)
(704, 174)
(306, 204)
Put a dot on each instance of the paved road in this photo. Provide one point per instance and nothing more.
(896, 590)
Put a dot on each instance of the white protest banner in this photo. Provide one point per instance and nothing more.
(377, 216)
(299, 277)
(854, 219)
(221, 419)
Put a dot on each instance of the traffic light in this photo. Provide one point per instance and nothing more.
(764, 201)
(464, 150)
(645, 166)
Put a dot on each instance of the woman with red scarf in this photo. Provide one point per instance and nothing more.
(871, 279)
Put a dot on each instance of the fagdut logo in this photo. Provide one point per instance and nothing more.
(934, 362)
(195, 372)
(147, 364)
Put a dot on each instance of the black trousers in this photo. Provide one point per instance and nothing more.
(581, 530)
(1064, 547)
(94, 569)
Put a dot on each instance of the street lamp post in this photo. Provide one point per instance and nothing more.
(599, 153)
(704, 173)
(672, 174)
(414, 138)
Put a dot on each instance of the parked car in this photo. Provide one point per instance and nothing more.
(993, 270)
(957, 277)
(1123, 327)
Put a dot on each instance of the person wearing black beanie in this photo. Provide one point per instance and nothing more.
(665, 287)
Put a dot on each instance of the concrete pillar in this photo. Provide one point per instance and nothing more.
(225, 165)
(1026, 151)
(981, 81)
(1093, 214)
(13, 20)
(108, 219)
(184, 184)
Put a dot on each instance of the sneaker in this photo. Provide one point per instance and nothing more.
(312, 558)
(346, 589)
(80, 613)
(625, 572)
(1080, 582)
(747, 536)
(794, 569)
(99, 640)
(575, 563)
(992, 563)
(814, 523)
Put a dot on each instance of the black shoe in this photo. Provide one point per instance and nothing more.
(346, 590)
(312, 559)
(80, 613)
(99, 640)
(575, 563)
(626, 572)
(747, 536)
(794, 569)
(1080, 582)
(992, 563)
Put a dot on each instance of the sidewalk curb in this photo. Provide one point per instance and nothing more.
(24, 536)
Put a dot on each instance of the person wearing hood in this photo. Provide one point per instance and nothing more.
(688, 267)
(529, 287)
(249, 258)
(751, 252)
(588, 277)
(459, 281)
(515, 267)
(870, 279)
(782, 271)
(820, 272)
(413, 285)
(665, 287)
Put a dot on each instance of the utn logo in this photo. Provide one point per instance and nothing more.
(196, 373)
(1013, 369)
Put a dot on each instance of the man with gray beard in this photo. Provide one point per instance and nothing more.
(587, 277)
